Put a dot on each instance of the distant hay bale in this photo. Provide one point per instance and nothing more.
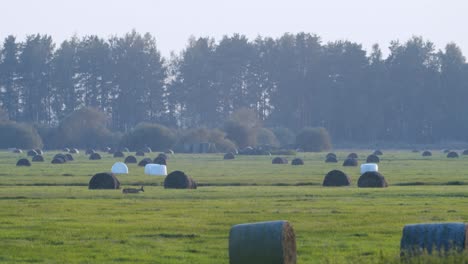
(95, 156)
(331, 155)
(297, 161)
(104, 180)
(263, 242)
(61, 156)
(331, 159)
(125, 149)
(350, 162)
(90, 151)
(353, 156)
(147, 150)
(373, 159)
(23, 162)
(418, 239)
(69, 157)
(66, 150)
(452, 154)
(160, 160)
(169, 151)
(17, 150)
(336, 178)
(229, 156)
(38, 158)
(465, 152)
(179, 180)
(378, 152)
(39, 151)
(140, 153)
(372, 179)
(74, 151)
(144, 161)
(119, 154)
(58, 160)
(427, 153)
(279, 160)
(32, 153)
(130, 159)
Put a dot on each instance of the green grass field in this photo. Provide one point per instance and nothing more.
(47, 214)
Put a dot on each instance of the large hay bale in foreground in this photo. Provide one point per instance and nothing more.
(279, 160)
(32, 153)
(119, 154)
(38, 158)
(419, 239)
(262, 243)
(104, 180)
(331, 159)
(144, 161)
(373, 159)
(350, 162)
(378, 152)
(95, 156)
(297, 161)
(160, 160)
(229, 156)
(130, 159)
(426, 153)
(452, 155)
(372, 179)
(179, 180)
(23, 162)
(353, 156)
(336, 178)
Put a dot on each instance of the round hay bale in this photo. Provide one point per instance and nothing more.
(125, 150)
(452, 154)
(427, 153)
(119, 154)
(144, 161)
(331, 155)
(61, 156)
(66, 150)
(160, 160)
(23, 162)
(119, 168)
(353, 156)
(39, 151)
(90, 151)
(147, 150)
(229, 156)
(17, 150)
(162, 155)
(104, 180)
(169, 151)
(331, 159)
(465, 152)
(373, 159)
(297, 161)
(372, 179)
(336, 178)
(350, 162)
(179, 180)
(130, 159)
(58, 160)
(263, 242)
(418, 239)
(74, 151)
(38, 158)
(279, 160)
(95, 156)
(69, 157)
(378, 152)
(140, 153)
(32, 153)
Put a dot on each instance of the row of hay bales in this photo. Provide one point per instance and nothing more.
(369, 179)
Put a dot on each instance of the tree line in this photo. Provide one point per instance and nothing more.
(415, 94)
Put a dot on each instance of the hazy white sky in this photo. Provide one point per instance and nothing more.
(172, 22)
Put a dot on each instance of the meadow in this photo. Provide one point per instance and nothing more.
(48, 215)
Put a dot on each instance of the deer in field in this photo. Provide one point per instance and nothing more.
(133, 190)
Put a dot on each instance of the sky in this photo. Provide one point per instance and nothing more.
(172, 22)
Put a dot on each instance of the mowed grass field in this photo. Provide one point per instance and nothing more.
(48, 215)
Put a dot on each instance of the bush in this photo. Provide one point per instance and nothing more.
(284, 136)
(313, 139)
(205, 135)
(242, 127)
(19, 135)
(155, 136)
(266, 137)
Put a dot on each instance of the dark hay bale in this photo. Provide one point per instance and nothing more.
(119, 154)
(144, 161)
(353, 156)
(279, 160)
(147, 150)
(140, 153)
(95, 156)
(90, 151)
(66, 150)
(130, 159)
(69, 157)
(125, 150)
(104, 180)
(58, 160)
(179, 180)
(17, 150)
(372, 179)
(162, 155)
(373, 159)
(160, 160)
(264, 242)
(39, 151)
(331, 155)
(331, 159)
(61, 156)
(38, 158)
(378, 152)
(169, 151)
(418, 239)
(465, 152)
(350, 162)
(426, 153)
(297, 161)
(23, 162)
(74, 151)
(452, 154)
(336, 178)
(229, 156)
(32, 153)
